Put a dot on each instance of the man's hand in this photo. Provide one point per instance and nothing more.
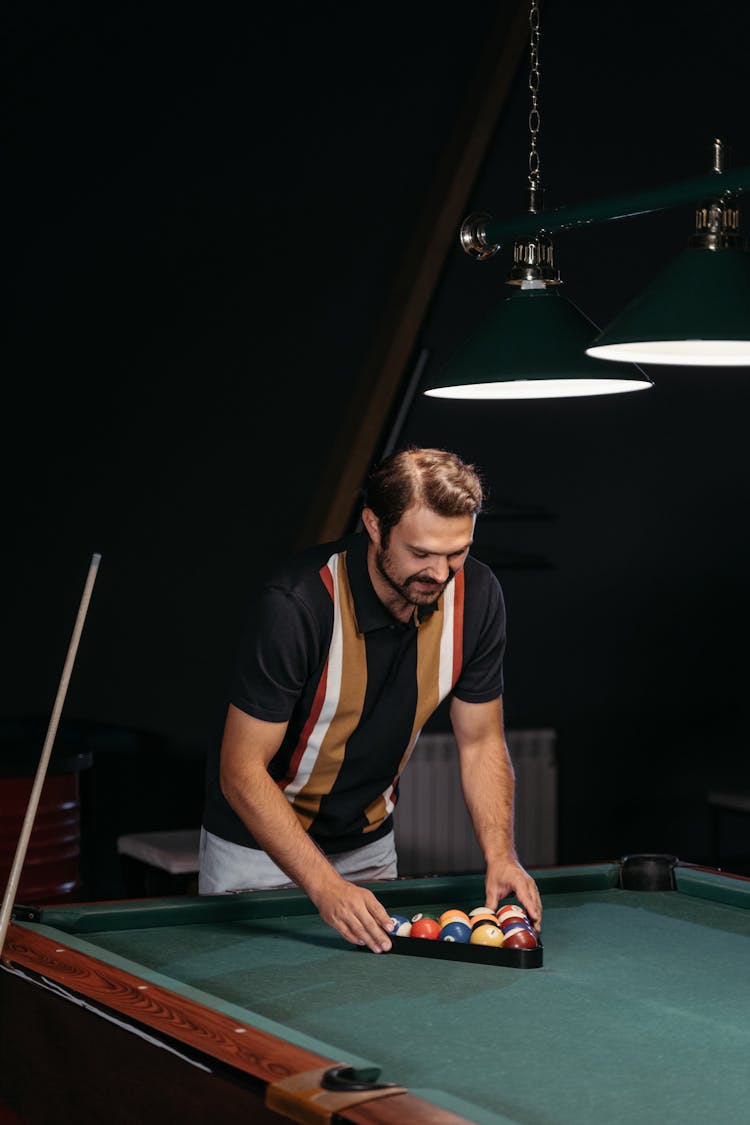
(506, 876)
(247, 748)
(354, 912)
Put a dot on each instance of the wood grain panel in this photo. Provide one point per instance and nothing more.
(239, 1045)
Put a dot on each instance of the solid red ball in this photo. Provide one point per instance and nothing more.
(426, 928)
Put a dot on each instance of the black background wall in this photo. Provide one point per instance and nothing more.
(206, 210)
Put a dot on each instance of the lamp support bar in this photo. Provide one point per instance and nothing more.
(491, 234)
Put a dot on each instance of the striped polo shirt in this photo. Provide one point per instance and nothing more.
(355, 686)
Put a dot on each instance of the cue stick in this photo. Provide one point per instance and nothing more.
(36, 791)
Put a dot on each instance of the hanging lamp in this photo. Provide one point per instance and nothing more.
(697, 312)
(534, 344)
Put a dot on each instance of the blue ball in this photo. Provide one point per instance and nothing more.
(400, 925)
(455, 931)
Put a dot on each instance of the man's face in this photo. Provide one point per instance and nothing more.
(424, 553)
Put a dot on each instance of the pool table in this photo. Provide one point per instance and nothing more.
(246, 1008)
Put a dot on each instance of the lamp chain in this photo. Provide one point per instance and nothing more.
(535, 120)
(533, 265)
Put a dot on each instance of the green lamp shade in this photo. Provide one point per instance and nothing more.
(697, 312)
(533, 346)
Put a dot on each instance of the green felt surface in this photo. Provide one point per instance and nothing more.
(641, 1012)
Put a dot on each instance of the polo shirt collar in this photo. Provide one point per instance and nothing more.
(369, 610)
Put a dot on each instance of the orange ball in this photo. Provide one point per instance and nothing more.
(483, 914)
(454, 916)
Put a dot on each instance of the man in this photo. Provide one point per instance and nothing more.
(356, 644)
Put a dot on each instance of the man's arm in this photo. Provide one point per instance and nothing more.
(488, 784)
(247, 748)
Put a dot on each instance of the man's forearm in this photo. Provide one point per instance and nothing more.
(353, 911)
(267, 814)
(488, 784)
(247, 747)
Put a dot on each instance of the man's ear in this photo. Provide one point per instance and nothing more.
(371, 525)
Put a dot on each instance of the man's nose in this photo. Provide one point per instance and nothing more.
(439, 570)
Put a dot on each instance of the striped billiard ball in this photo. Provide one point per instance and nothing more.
(505, 913)
(520, 937)
(400, 925)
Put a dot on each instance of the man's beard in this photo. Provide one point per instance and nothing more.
(405, 589)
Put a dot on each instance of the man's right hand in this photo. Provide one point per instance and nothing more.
(354, 912)
(248, 746)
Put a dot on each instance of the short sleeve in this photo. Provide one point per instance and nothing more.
(278, 655)
(481, 678)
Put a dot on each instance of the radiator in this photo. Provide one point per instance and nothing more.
(434, 833)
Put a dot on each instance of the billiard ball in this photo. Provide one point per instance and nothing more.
(416, 917)
(426, 928)
(455, 931)
(508, 923)
(485, 924)
(516, 920)
(453, 916)
(511, 923)
(520, 937)
(488, 916)
(477, 910)
(511, 911)
(487, 935)
(400, 925)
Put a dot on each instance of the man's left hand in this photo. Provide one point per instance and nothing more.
(505, 877)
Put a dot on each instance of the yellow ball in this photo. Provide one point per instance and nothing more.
(487, 935)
